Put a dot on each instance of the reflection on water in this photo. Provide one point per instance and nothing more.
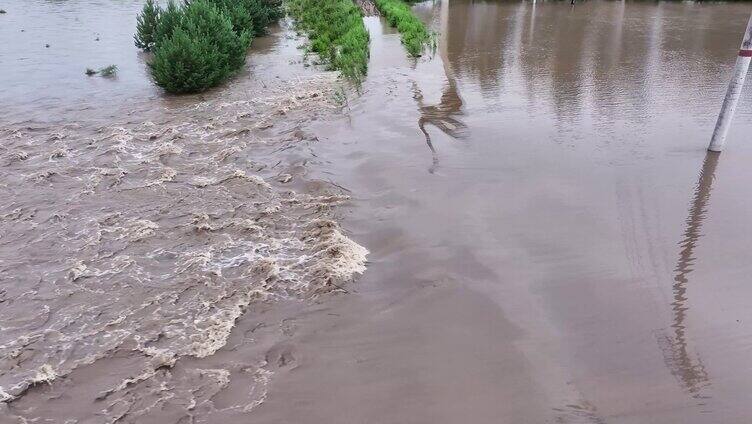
(441, 115)
(691, 372)
(445, 114)
(597, 63)
(629, 80)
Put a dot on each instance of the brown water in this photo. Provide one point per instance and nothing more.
(137, 228)
(549, 240)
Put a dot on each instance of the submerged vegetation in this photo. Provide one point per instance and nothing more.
(415, 36)
(336, 32)
(200, 43)
(197, 44)
(107, 71)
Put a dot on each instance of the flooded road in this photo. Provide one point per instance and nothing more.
(549, 241)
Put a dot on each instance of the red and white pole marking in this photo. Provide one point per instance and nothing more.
(733, 92)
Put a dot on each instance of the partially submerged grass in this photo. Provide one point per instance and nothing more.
(108, 71)
(415, 36)
(337, 33)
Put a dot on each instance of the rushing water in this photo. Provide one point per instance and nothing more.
(137, 229)
(550, 241)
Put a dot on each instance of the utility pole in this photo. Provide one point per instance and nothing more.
(733, 92)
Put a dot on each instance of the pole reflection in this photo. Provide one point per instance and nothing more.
(690, 371)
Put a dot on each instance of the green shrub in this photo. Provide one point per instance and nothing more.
(336, 31)
(250, 15)
(169, 19)
(415, 36)
(198, 44)
(242, 20)
(263, 12)
(146, 26)
(198, 50)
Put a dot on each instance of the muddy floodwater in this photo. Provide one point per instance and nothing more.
(521, 227)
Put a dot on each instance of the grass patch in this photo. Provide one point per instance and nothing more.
(415, 36)
(108, 71)
(336, 31)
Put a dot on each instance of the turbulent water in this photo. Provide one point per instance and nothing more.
(153, 238)
(131, 242)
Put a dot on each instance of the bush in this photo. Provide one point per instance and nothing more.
(337, 33)
(413, 32)
(146, 26)
(169, 19)
(197, 48)
(202, 42)
(263, 13)
(250, 15)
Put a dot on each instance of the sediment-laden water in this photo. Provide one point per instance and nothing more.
(135, 235)
(151, 239)
(548, 240)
